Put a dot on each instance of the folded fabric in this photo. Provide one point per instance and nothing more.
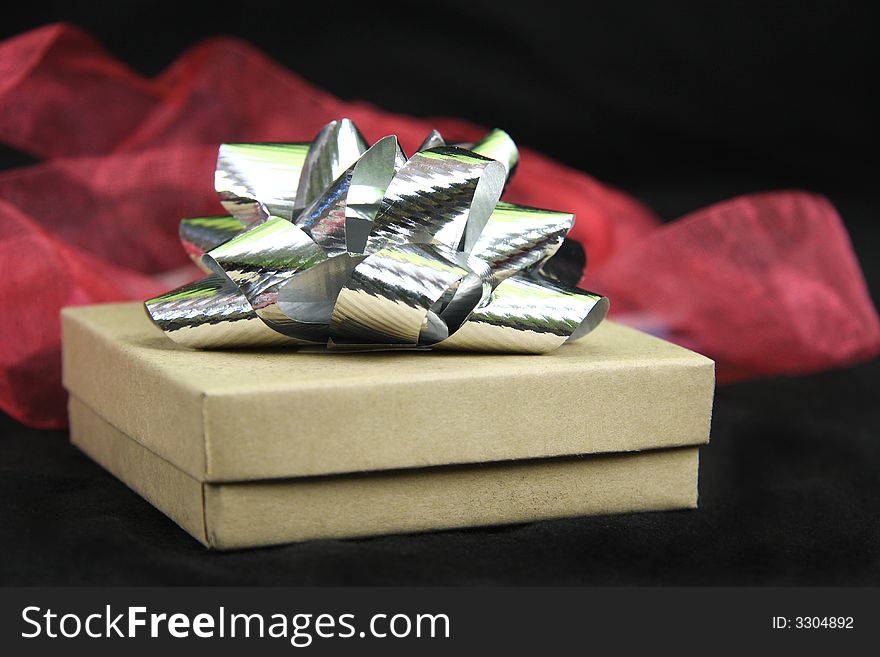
(765, 284)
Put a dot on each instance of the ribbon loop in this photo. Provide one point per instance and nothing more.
(340, 219)
(529, 316)
(390, 296)
(444, 194)
(335, 149)
(256, 181)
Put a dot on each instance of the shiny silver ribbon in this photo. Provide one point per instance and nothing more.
(355, 247)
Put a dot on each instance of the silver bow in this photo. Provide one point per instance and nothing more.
(350, 246)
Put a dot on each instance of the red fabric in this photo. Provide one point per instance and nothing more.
(765, 284)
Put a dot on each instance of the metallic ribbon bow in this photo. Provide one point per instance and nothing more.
(356, 247)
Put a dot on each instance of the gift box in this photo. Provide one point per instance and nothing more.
(264, 446)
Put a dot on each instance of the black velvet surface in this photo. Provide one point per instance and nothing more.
(681, 105)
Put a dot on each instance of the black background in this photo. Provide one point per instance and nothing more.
(681, 104)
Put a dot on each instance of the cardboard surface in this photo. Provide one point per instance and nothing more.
(245, 415)
(248, 514)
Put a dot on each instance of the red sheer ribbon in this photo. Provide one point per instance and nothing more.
(764, 284)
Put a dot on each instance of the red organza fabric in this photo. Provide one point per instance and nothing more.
(764, 284)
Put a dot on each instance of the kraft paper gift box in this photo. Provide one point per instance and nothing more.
(260, 447)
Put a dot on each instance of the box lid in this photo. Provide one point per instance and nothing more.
(263, 414)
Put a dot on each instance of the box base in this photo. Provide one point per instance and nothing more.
(258, 513)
